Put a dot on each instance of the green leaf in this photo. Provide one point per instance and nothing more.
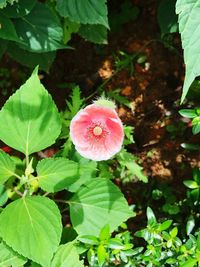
(173, 233)
(66, 255)
(191, 184)
(19, 9)
(196, 125)
(3, 195)
(101, 254)
(87, 171)
(84, 12)
(76, 101)
(8, 257)
(188, 18)
(167, 18)
(190, 224)
(165, 225)
(188, 113)
(7, 29)
(189, 263)
(94, 33)
(150, 216)
(34, 229)
(97, 203)
(105, 233)
(31, 59)
(30, 118)
(56, 174)
(40, 30)
(7, 167)
(198, 241)
(115, 243)
(89, 239)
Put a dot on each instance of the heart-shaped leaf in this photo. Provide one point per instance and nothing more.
(30, 118)
(32, 227)
(97, 203)
(56, 174)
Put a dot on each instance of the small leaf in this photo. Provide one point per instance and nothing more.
(99, 199)
(165, 225)
(190, 225)
(8, 257)
(105, 233)
(150, 216)
(30, 118)
(101, 255)
(32, 225)
(173, 233)
(191, 184)
(84, 12)
(189, 263)
(196, 125)
(188, 113)
(56, 174)
(7, 167)
(115, 243)
(89, 239)
(66, 255)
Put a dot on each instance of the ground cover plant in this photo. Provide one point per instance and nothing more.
(99, 158)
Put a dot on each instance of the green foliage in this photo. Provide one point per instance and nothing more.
(188, 18)
(36, 30)
(99, 199)
(66, 255)
(167, 17)
(30, 222)
(7, 167)
(84, 12)
(35, 216)
(193, 114)
(8, 257)
(25, 113)
(56, 174)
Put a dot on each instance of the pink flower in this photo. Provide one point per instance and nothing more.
(97, 131)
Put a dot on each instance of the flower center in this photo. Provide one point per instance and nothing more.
(97, 130)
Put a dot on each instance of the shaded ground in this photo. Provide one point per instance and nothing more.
(154, 91)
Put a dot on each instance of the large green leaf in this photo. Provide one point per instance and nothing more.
(40, 30)
(30, 118)
(66, 256)
(7, 167)
(31, 59)
(97, 203)
(189, 21)
(8, 257)
(32, 227)
(94, 33)
(19, 9)
(56, 174)
(84, 12)
(7, 29)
